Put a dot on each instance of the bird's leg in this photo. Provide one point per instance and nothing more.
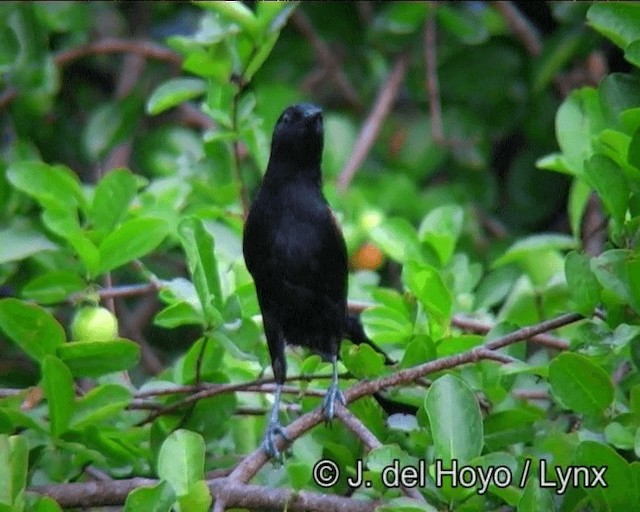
(333, 393)
(274, 428)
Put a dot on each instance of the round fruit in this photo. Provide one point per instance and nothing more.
(368, 257)
(93, 323)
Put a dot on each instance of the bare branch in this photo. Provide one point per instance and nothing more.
(373, 123)
(233, 494)
(470, 324)
(433, 86)
(145, 49)
(325, 56)
(520, 26)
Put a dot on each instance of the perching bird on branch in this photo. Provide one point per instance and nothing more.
(296, 254)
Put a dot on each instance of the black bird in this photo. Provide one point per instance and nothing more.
(297, 256)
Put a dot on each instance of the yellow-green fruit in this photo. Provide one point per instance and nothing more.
(94, 324)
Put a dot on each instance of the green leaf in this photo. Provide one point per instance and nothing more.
(612, 269)
(21, 240)
(51, 185)
(181, 460)
(619, 21)
(273, 16)
(386, 325)
(578, 198)
(101, 402)
(509, 427)
(65, 224)
(53, 287)
(534, 244)
(618, 93)
(14, 459)
(429, 288)
(608, 180)
(582, 283)
(175, 315)
(234, 12)
(580, 384)
(578, 119)
(632, 53)
(535, 498)
(419, 350)
(115, 190)
(199, 248)
(634, 150)
(260, 56)
(621, 492)
(110, 124)
(619, 436)
(93, 358)
(362, 361)
(57, 383)
(131, 240)
(47, 504)
(455, 420)
(558, 50)
(31, 327)
(173, 92)
(397, 238)
(441, 228)
(159, 498)
(198, 499)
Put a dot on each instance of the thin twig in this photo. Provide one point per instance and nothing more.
(234, 494)
(520, 26)
(433, 86)
(373, 123)
(472, 325)
(371, 442)
(530, 394)
(326, 57)
(143, 48)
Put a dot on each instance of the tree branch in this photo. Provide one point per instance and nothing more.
(374, 121)
(233, 494)
(253, 462)
(143, 48)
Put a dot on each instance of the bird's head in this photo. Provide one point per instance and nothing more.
(298, 135)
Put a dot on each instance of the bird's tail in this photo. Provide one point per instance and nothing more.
(354, 331)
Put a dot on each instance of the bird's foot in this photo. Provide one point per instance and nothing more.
(269, 442)
(329, 404)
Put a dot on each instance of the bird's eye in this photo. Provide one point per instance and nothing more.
(286, 117)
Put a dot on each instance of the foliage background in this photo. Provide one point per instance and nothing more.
(484, 162)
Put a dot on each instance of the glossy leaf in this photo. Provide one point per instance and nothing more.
(115, 190)
(580, 384)
(31, 327)
(100, 403)
(53, 287)
(455, 420)
(583, 285)
(51, 186)
(609, 182)
(173, 92)
(93, 358)
(199, 248)
(58, 388)
(158, 498)
(181, 460)
(131, 240)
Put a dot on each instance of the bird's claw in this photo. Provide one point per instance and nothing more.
(329, 404)
(269, 442)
